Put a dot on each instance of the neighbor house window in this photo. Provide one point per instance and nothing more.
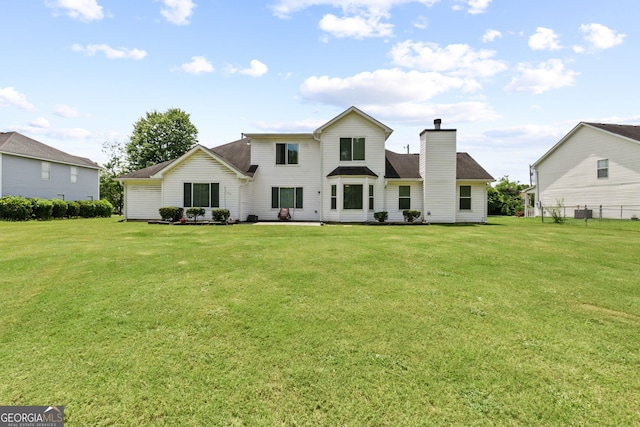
(465, 197)
(334, 197)
(371, 197)
(404, 198)
(352, 196)
(286, 197)
(74, 174)
(46, 171)
(201, 195)
(351, 149)
(603, 168)
(287, 154)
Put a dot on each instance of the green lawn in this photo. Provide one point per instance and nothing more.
(512, 323)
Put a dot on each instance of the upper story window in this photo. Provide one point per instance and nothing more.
(287, 154)
(46, 171)
(351, 149)
(74, 174)
(603, 168)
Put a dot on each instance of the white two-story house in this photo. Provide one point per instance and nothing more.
(341, 172)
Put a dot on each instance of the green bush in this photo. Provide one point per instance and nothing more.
(194, 213)
(220, 214)
(171, 213)
(410, 215)
(103, 208)
(73, 209)
(15, 208)
(59, 208)
(381, 216)
(41, 208)
(87, 208)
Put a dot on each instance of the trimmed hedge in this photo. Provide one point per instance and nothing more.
(410, 215)
(18, 208)
(171, 213)
(220, 214)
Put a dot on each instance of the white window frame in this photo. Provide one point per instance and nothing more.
(45, 171)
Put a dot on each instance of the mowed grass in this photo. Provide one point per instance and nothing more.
(511, 323)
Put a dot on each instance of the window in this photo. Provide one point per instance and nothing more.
(603, 168)
(334, 197)
(46, 171)
(371, 197)
(465, 197)
(351, 149)
(352, 196)
(404, 198)
(286, 197)
(201, 195)
(74, 174)
(286, 154)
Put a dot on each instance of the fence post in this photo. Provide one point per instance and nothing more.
(600, 213)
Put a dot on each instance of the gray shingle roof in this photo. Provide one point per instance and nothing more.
(352, 171)
(20, 145)
(408, 166)
(629, 131)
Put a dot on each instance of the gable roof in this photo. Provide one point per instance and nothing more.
(468, 169)
(630, 132)
(236, 154)
(17, 144)
(387, 130)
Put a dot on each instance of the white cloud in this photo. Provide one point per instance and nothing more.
(178, 11)
(360, 18)
(109, 52)
(40, 122)
(478, 6)
(457, 59)
(414, 113)
(382, 86)
(198, 65)
(65, 111)
(256, 69)
(600, 36)
(9, 97)
(83, 10)
(546, 76)
(356, 26)
(421, 22)
(491, 35)
(544, 39)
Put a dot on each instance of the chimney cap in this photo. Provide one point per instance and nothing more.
(437, 123)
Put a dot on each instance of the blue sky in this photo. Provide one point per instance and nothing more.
(513, 76)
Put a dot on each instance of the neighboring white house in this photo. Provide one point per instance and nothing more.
(30, 168)
(341, 172)
(595, 165)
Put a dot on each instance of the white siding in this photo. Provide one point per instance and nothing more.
(142, 200)
(353, 126)
(438, 148)
(305, 174)
(202, 168)
(569, 173)
(392, 196)
(478, 211)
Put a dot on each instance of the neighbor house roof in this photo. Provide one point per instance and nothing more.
(627, 131)
(17, 144)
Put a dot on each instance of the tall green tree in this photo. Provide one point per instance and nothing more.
(505, 197)
(110, 189)
(159, 137)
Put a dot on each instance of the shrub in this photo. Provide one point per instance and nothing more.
(194, 213)
(410, 215)
(59, 208)
(87, 208)
(171, 213)
(557, 211)
(220, 214)
(381, 216)
(103, 208)
(41, 208)
(73, 209)
(15, 208)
